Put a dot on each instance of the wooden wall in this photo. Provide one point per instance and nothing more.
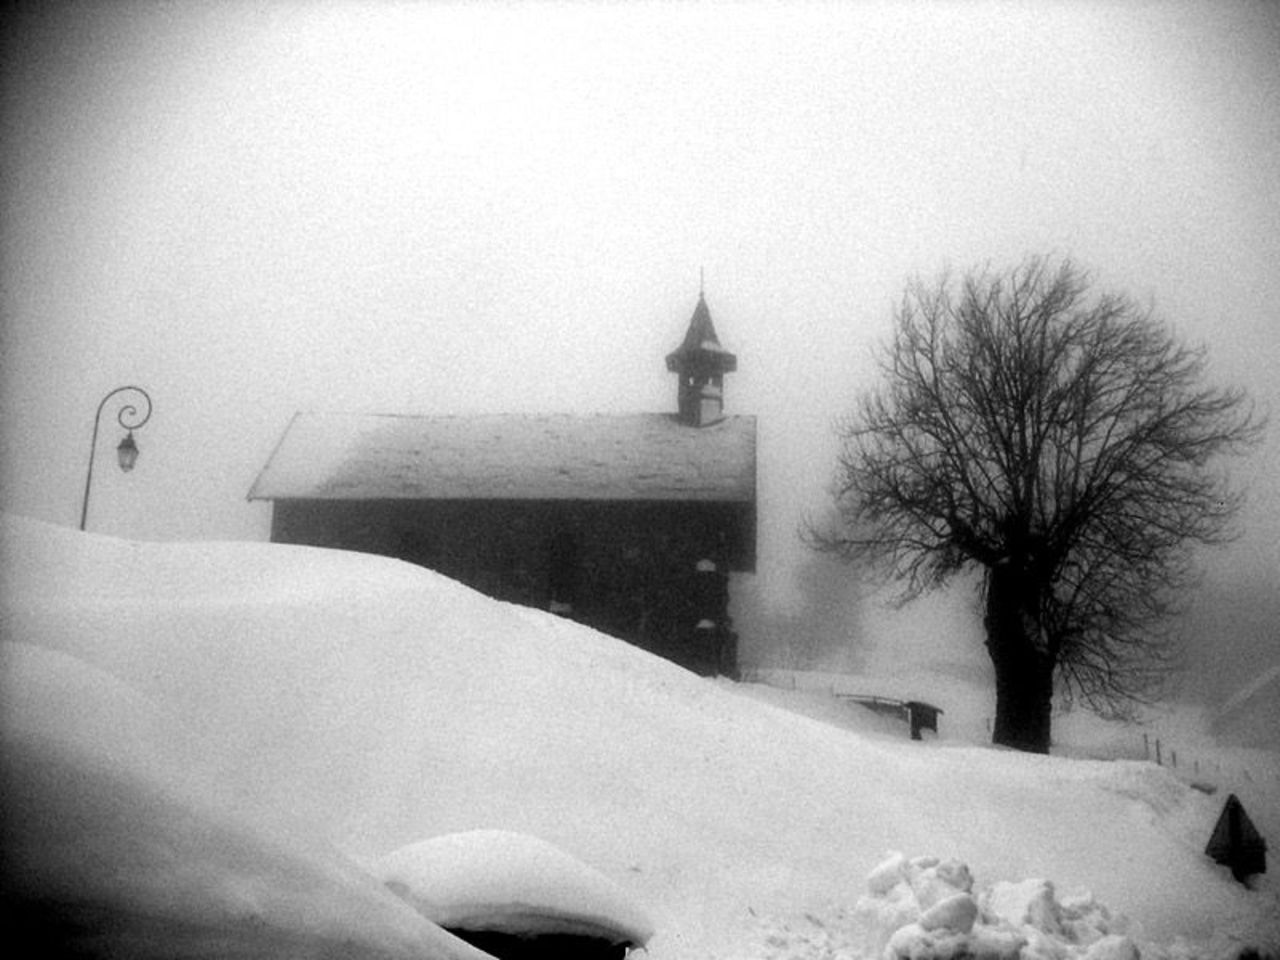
(628, 569)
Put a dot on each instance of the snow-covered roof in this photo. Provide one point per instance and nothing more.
(348, 456)
(1250, 691)
(1251, 717)
(509, 882)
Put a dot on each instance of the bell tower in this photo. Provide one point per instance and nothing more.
(700, 363)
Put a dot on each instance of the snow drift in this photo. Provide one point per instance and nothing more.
(495, 881)
(355, 703)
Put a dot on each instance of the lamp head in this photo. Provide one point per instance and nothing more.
(127, 452)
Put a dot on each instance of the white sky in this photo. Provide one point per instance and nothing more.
(255, 208)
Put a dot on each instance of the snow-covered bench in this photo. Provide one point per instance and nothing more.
(919, 715)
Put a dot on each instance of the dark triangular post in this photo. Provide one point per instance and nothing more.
(1236, 842)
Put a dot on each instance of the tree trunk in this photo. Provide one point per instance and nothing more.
(1023, 667)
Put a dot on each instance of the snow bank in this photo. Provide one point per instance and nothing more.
(363, 704)
(105, 856)
(497, 880)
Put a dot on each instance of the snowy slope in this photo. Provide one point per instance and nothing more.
(102, 847)
(364, 703)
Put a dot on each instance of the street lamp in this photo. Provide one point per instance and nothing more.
(128, 417)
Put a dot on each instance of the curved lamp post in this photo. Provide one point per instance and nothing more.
(129, 417)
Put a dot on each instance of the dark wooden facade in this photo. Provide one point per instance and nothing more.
(629, 524)
(648, 573)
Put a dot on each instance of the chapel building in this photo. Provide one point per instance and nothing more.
(629, 523)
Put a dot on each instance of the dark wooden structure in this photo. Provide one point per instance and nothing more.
(920, 716)
(628, 523)
(1236, 842)
(547, 946)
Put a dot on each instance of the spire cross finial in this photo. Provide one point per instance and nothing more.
(702, 281)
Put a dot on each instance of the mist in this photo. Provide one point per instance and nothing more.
(255, 209)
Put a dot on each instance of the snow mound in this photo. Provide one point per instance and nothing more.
(925, 909)
(499, 880)
(101, 861)
(363, 704)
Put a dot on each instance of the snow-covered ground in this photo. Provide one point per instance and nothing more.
(274, 721)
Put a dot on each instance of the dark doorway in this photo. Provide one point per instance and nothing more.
(562, 572)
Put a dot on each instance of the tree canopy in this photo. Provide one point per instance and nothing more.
(1065, 444)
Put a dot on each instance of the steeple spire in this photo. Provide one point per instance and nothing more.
(701, 363)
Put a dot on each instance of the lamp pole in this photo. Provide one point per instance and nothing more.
(129, 417)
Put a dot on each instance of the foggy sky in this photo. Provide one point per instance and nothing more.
(251, 209)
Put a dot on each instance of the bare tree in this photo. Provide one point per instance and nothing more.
(1062, 444)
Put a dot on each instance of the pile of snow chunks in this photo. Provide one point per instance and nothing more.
(926, 909)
